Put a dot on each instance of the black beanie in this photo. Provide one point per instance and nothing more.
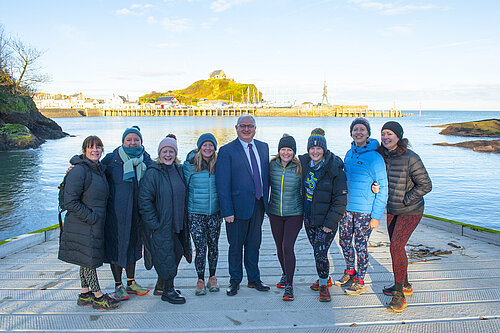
(287, 141)
(362, 121)
(395, 127)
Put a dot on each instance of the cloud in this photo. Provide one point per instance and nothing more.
(395, 30)
(177, 25)
(134, 9)
(222, 5)
(167, 45)
(389, 8)
(151, 20)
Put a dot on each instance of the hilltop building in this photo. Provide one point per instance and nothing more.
(218, 74)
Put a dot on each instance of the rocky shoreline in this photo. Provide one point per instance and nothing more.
(483, 146)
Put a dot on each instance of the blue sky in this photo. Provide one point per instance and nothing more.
(443, 54)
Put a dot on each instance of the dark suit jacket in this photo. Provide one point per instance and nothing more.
(234, 180)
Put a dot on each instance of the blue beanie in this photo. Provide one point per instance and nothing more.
(133, 129)
(317, 139)
(206, 137)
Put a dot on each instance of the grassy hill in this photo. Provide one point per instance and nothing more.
(482, 128)
(221, 89)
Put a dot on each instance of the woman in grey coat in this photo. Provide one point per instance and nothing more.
(82, 237)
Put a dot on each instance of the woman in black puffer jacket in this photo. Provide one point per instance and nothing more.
(82, 239)
(408, 182)
(325, 199)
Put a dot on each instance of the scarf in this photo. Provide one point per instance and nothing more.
(132, 157)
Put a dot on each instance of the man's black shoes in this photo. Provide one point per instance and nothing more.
(258, 285)
(233, 289)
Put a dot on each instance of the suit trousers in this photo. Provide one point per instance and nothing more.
(245, 235)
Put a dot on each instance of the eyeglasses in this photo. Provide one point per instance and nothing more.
(251, 126)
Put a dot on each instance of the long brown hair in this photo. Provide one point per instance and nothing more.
(402, 147)
(294, 160)
(198, 162)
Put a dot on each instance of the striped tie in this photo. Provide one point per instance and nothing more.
(255, 173)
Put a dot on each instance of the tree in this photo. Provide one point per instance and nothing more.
(19, 68)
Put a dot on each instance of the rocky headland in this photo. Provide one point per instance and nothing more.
(484, 128)
(22, 126)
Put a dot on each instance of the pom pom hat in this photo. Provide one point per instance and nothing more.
(317, 139)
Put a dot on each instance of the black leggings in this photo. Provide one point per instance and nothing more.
(117, 272)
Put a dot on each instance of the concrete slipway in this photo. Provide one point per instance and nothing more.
(460, 292)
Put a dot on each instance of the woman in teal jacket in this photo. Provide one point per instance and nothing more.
(285, 208)
(363, 166)
(203, 209)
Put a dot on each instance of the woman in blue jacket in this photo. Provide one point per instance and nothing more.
(203, 209)
(363, 166)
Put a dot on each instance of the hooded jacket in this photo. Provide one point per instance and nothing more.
(82, 240)
(156, 198)
(202, 192)
(363, 166)
(330, 193)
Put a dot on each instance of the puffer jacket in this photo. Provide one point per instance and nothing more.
(363, 166)
(202, 192)
(85, 197)
(408, 183)
(156, 211)
(330, 194)
(286, 197)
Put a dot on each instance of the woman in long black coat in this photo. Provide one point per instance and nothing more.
(125, 167)
(163, 211)
(82, 238)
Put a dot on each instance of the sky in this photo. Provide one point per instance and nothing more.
(408, 54)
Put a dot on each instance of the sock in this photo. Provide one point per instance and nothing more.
(361, 281)
(86, 294)
(129, 282)
(323, 282)
(350, 271)
(117, 284)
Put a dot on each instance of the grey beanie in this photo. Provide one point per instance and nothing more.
(362, 121)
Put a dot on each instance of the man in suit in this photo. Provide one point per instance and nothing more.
(241, 175)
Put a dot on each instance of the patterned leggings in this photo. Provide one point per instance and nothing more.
(320, 242)
(88, 278)
(400, 228)
(356, 224)
(205, 230)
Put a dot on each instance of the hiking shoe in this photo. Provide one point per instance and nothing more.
(120, 293)
(105, 302)
(213, 285)
(398, 302)
(315, 285)
(137, 289)
(356, 288)
(345, 280)
(288, 294)
(324, 294)
(84, 299)
(389, 291)
(200, 288)
(282, 282)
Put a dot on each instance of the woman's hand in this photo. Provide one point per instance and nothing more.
(373, 224)
(229, 219)
(375, 187)
(327, 230)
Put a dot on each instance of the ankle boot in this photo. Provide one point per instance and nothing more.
(171, 295)
(159, 287)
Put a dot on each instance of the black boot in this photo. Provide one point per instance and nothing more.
(170, 294)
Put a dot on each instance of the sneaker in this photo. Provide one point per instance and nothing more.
(288, 294)
(84, 299)
(315, 285)
(324, 294)
(137, 289)
(356, 288)
(345, 280)
(105, 302)
(213, 285)
(120, 293)
(398, 302)
(200, 288)
(282, 282)
(389, 291)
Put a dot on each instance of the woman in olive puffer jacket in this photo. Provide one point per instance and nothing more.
(285, 209)
(408, 182)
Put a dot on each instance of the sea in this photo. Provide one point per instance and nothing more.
(466, 184)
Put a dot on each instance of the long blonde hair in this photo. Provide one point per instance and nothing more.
(294, 160)
(198, 162)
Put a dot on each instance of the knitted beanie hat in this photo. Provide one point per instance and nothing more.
(317, 139)
(362, 121)
(395, 127)
(168, 142)
(133, 129)
(287, 141)
(206, 137)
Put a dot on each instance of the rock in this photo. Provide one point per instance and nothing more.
(17, 136)
(483, 146)
(483, 128)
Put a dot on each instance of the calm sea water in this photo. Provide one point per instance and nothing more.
(465, 183)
